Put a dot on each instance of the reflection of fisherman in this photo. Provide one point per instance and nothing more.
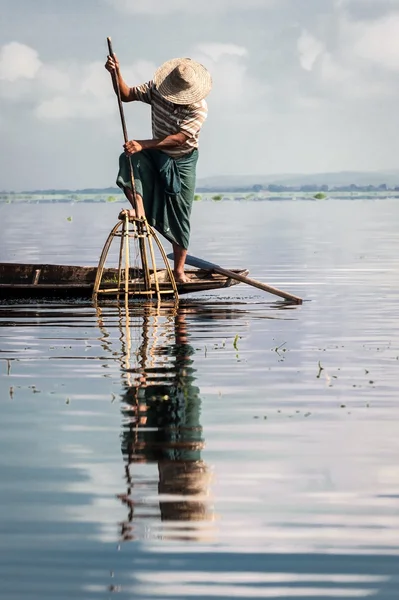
(164, 427)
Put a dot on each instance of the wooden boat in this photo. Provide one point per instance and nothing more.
(19, 280)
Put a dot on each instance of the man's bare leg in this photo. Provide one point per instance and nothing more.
(179, 252)
(139, 202)
(179, 259)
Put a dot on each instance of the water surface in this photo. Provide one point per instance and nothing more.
(233, 447)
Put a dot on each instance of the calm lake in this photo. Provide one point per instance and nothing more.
(231, 448)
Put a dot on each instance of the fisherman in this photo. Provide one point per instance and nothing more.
(164, 167)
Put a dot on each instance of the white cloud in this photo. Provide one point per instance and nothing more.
(88, 96)
(61, 91)
(95, 81)
(158, 7)
(18, 61)
(233, 85)
(359, 58)
(378, 41)
(138, 72)
(84, 91)
(216, 50)
(332, 72)
(54, 78)
(345, 80)
(55, 108)
(309, 49)
(373, 3)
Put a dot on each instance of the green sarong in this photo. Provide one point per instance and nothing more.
(167, 186)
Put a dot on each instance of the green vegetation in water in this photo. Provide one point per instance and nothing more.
(111, 199)
(197, 197)
(217, 197)
(235, 342)
(320, 196)
(69, 218)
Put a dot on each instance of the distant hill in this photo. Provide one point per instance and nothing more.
(226, 183)
(108, 190)
(337, 179)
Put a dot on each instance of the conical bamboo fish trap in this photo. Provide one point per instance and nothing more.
(140, 279)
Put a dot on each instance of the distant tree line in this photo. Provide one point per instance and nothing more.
(257, 188)
(310, 187)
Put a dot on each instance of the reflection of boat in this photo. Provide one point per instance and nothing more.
(56, 281)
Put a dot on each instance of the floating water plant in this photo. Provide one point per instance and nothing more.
(235, 342)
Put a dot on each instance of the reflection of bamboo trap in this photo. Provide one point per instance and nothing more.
(139, 281)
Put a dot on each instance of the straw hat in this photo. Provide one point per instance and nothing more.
(183, 81)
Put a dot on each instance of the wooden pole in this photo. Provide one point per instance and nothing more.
(137, 206)
(204, 264)
(115, 78)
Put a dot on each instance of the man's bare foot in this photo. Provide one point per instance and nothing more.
(131, 214)
(181, 277)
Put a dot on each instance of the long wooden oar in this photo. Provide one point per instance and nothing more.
(137, 205)
(193, 261)
(123, 121)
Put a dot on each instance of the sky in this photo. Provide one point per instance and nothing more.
(300, 86)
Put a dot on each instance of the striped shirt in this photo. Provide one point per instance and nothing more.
(168, 118)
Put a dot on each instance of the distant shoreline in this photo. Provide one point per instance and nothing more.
(213, 196)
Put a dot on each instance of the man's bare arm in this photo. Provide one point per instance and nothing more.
(170, 141)
(127, 93)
